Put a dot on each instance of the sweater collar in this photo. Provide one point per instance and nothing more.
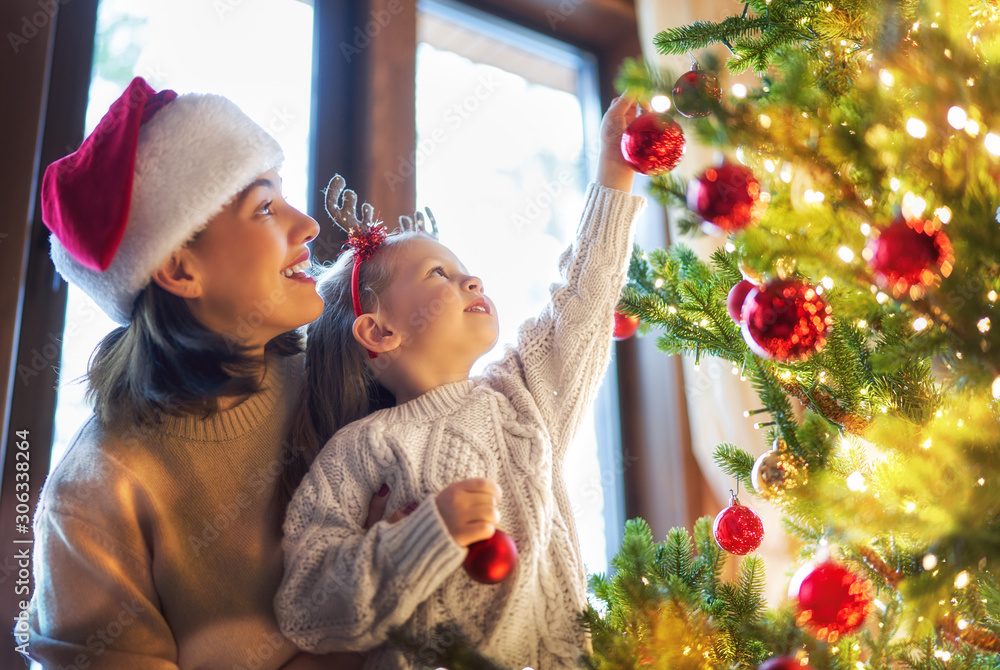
(237, 421)
(435, 403)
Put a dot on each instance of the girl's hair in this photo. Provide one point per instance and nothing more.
(340, 384)
(166, 362)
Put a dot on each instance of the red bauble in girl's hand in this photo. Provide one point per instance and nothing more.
(653, 143)
(737, 295)
(625, 325)
(490, 561)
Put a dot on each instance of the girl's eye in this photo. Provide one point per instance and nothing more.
(440, 271)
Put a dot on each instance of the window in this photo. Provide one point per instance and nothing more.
(169, 43)
(506, 120)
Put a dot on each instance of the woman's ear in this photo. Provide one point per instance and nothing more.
(373, 336)
(178, 275)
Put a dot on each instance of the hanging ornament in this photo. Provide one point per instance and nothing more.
(625, 325)
(831, 599)
(737, 528)
(778, 471)
(653, 143)
(908, 256)
(727, 198)
(490, 561)
(696, 93)
(738, 294)
(783, 663)
(785, 320)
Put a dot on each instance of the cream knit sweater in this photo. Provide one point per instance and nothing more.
(345, 587)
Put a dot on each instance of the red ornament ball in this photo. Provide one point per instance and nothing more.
(696, 92)
(785, 320)
(653, 143)
(737, 295)
(738, 529)
(625, 325)
(728, 198)
(909, 254)
(490, 561)
(783, 663)
(831, 600)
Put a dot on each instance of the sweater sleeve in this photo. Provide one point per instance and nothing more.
(564, 352)
(94, 603)
(345, 587)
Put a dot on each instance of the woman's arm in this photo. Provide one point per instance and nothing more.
(94, 603)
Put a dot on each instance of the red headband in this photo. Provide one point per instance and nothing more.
(364, 241)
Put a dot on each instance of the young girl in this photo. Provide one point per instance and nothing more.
(475, 453)
(156, 537)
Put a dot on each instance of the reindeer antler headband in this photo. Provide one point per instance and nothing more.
(365, 235)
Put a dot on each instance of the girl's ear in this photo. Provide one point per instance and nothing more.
(179, 275)
(373, 336)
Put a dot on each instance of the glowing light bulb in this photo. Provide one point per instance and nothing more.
(916, 128)
(943, 214)
(845, 254)
(886, 78)
(984, 325)
(856, 481)
(992, 142)
(660, 103)
(930, 561)
(972, 128)
(962, 579)
(957, 117)
(739, 91)
(919, 323)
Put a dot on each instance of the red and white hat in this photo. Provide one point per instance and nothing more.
(153, 173)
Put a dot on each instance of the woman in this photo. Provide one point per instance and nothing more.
(157, 536)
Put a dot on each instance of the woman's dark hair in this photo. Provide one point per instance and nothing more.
(166, 362)
(340, 384)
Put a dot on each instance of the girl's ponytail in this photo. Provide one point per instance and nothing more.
(340, 385)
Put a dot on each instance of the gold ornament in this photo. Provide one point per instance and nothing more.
(778, 471)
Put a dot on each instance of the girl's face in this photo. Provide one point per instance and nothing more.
(438, 307)
(250, 261)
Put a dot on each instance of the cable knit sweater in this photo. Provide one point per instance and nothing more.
(344, 588)
(159, 548)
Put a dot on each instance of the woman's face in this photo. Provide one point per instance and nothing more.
(252, 263)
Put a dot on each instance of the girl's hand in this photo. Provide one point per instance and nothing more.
(469, 509)
(612, 170)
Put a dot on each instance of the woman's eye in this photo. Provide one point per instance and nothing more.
(266, 209)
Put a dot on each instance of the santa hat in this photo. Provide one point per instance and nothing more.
(151, 175)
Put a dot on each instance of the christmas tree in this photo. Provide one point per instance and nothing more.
(859, 201)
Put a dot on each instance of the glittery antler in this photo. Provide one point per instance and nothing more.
(428, 225)
(343, 210)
